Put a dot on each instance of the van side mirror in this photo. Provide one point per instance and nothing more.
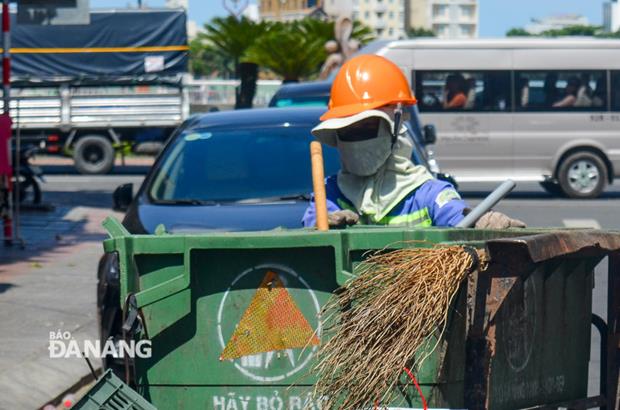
(122, 197)
(430, 134)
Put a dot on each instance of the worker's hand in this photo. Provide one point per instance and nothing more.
(340, 219)
(497, 220)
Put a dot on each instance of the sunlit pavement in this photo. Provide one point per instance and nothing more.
(49, 286)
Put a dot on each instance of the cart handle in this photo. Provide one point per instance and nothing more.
(489, 202)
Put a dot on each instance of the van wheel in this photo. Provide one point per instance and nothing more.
(582, 175)
(93, 154)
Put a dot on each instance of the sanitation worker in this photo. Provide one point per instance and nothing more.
(378, 184)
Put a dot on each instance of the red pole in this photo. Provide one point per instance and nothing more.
(6, 54)
(6, 87)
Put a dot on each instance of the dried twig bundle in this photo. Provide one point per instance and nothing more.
(378, 321)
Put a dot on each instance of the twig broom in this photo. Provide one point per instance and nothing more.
(381, 320)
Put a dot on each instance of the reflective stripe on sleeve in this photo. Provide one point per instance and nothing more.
(419, 218)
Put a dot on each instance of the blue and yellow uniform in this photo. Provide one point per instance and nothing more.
(434, 203)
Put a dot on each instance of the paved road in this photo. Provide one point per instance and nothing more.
(537, 208)
(82, 201)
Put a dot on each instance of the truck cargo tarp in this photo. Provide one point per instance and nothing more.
(117, 43)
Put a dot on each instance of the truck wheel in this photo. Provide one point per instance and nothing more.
(93, 154)
(582, 175)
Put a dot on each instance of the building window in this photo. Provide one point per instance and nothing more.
(466, 30)
(367, 14)
(467, 11)
(615, 90)
(440, 10)
(441, 30)
(391, 14)
(391, 32)
(355, 15)
(476, 91)
(561, 90)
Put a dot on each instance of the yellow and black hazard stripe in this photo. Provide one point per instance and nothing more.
(70, 50)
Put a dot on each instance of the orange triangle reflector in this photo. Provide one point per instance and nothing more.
(271, 322)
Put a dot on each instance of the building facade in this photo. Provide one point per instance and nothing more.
(285, 10)
(537, 26)
(390, 19)
(453, 19)
(611, 16)
(385, 17)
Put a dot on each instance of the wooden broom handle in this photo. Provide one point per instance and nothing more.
(318, 183)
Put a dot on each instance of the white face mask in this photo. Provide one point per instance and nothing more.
(364, 158)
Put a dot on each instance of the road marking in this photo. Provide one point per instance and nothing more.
(581, 223)
(77, 214)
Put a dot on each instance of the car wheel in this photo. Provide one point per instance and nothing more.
(111, 329)
(582, 175)
(93, 154)
(552, 188)
(109, 312)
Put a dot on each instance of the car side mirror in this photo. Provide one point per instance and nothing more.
(122, 197)
(430, 134)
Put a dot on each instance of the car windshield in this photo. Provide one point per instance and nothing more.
(228, 166)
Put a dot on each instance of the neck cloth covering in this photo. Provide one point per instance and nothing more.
(377, 194)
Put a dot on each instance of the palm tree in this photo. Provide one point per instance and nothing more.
(362, 33)
(205, 60)
(287, 51)
(325, 30)
(296, 50)
(232, 37)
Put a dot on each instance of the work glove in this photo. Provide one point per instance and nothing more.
(497, 220)
(340, 219)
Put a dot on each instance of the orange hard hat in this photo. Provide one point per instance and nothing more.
(367, 82)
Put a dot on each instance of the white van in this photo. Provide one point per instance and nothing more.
(545, 110)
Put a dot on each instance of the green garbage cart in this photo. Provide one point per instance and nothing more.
(233, 318)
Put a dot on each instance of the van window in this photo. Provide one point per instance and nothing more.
(561, 90)
(463, 90)
(615, 90)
